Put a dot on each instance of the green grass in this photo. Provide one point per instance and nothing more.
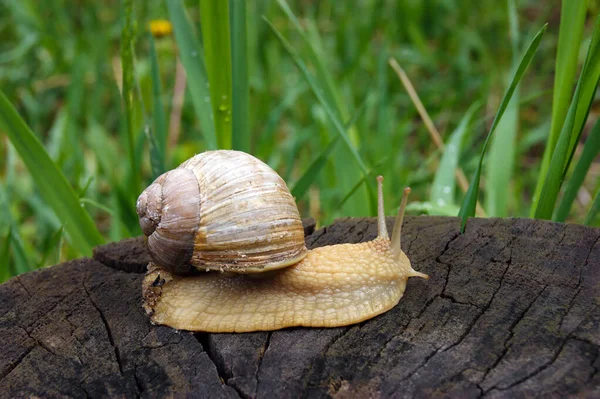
(51, 183)
(192, 57)
(443, 192)
(571, 130)
(217, 53)
(502, 154)
(240, 108)
(333, 116)
(325, 89)
(158, 137)
(570, 34)
(91, 111)
(591, 149)
(468, 206)
(127, 79)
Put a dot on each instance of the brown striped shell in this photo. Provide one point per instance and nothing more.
(221, 210)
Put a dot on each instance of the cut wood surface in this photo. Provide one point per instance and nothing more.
(512, 309)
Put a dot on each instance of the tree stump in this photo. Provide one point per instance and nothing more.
(512, 309)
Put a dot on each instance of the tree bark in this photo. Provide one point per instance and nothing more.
(512, 309)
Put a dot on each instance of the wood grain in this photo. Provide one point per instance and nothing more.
(512, 309)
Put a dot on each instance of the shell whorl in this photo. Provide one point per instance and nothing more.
(169, 216)
(148, 208)
(221, 210)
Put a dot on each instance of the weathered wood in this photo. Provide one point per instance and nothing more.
(512, 309)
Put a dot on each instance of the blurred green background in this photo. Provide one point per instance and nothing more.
(61, 67)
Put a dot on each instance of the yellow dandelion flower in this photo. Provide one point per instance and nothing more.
(161, 28)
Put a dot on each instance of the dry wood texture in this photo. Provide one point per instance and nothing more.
(512, 309)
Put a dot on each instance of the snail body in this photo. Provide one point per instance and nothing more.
(330, 286)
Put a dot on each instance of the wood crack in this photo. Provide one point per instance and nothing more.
(587, 259)
(18, 278)
(569, 307)
(594, 363)
(536, 371)
(549, 256)
(323, 355)
(469, 328)
(316, 236)
(260, 360)
(437, 259)
(441, 295)
(442, 349)
(73, 329)
(17, 362)
(506, 343)
(138, 384)
(205, 340)
(106, 327)
(542, 367)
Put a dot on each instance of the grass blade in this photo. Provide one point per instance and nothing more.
(319, 94)
(158, 140)
(97, 205)
(591, 77)
(192, 58)
(590, 151)
(317, 58)
(53, 245)
(430, 208)
(572, 23)
(467, 208)
(157, 162)
(22, 263)
(214, 15)
(594, 210)
(501, 158)
(72, 160)
(433, 132)
(501, 161)
(571, 130)
(51, 183)
(303, 184)
(323, 76)
(5, 271)
(444, 182)
(127, 43)
(240, 134)
(360, 182)
(311, 174)
(267, 142)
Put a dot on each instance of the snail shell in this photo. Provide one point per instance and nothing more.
(221, 210)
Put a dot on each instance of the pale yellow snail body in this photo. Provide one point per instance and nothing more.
(228, 211)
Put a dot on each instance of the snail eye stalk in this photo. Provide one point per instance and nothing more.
(381, 227)
(398, 224)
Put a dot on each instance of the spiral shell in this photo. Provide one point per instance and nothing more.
(221, 210)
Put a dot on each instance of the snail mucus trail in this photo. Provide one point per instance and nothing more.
(329, 286)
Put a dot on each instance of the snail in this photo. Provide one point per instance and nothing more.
(231, 215)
